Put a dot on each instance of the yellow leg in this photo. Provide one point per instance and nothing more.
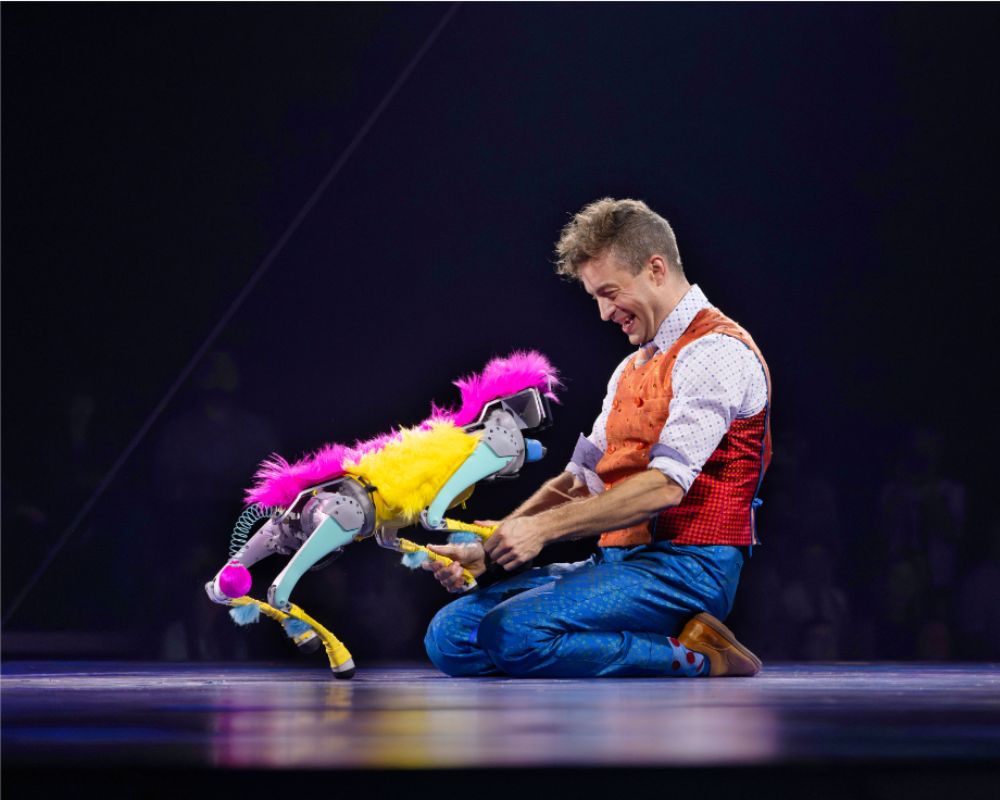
(480, 530)
(265, 609)
(406, 546)
(336, 652)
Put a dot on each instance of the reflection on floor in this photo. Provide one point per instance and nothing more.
(108, 714)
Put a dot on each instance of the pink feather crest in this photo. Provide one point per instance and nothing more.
(501, 377)
(277, 482)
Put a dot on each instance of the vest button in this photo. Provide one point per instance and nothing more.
(638, 402)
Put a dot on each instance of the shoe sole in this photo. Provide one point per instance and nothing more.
(716, 625)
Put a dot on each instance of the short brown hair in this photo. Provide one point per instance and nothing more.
(629, 227)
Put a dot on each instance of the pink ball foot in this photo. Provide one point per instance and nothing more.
(235, 580)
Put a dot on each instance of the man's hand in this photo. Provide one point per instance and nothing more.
(516, 541)
(471, 556)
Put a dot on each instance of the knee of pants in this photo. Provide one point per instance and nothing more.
(450, 644)
(512, 642)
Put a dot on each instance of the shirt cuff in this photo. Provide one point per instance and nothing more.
(575, 470)
(672, 463)
(584, 463)
(586, 454)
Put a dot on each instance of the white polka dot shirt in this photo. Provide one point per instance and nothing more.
(716, 379)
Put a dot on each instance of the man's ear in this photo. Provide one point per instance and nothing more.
(659, 268)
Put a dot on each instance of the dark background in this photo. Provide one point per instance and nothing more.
(830, 172)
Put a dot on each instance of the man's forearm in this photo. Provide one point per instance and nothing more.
(518, 539)
(632, 501)
(554, 492)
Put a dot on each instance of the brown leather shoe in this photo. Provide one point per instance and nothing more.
(706, 635)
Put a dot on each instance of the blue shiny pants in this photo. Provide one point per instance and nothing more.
(614, 614)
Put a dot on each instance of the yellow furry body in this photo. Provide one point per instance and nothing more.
(409, 473)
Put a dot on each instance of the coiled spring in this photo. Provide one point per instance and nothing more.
(244, 526)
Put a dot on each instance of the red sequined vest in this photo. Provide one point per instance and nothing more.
(719, 506)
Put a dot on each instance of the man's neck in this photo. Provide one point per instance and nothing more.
(673, 293)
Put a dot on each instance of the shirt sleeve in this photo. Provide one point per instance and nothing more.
(716, 379)
(590, 449)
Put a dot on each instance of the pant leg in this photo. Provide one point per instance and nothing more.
(615, 617)
(451, 639)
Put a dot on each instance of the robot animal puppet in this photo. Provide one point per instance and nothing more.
(314, 507)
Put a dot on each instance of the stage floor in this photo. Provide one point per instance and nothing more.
(99, 714)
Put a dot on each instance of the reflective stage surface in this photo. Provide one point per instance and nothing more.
(168, 716)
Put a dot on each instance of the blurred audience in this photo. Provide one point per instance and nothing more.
(908, 582)
(791, 604)
(977, 604)
(203, 457)
(922, 520)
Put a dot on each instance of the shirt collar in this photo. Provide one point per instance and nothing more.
(677, 321)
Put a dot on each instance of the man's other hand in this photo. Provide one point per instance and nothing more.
(516, 542)
(470, 556)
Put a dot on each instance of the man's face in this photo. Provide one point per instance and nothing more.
(630, 301)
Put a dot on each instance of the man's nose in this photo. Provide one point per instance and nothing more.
(606, 307)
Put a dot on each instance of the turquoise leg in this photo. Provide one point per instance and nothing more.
(324, 540)
(482, 463)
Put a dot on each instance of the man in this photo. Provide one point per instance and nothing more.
(668, 479)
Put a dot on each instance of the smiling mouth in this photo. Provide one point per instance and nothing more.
(628, 324)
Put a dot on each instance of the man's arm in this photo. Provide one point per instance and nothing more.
(561, 489)
(519, 539)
